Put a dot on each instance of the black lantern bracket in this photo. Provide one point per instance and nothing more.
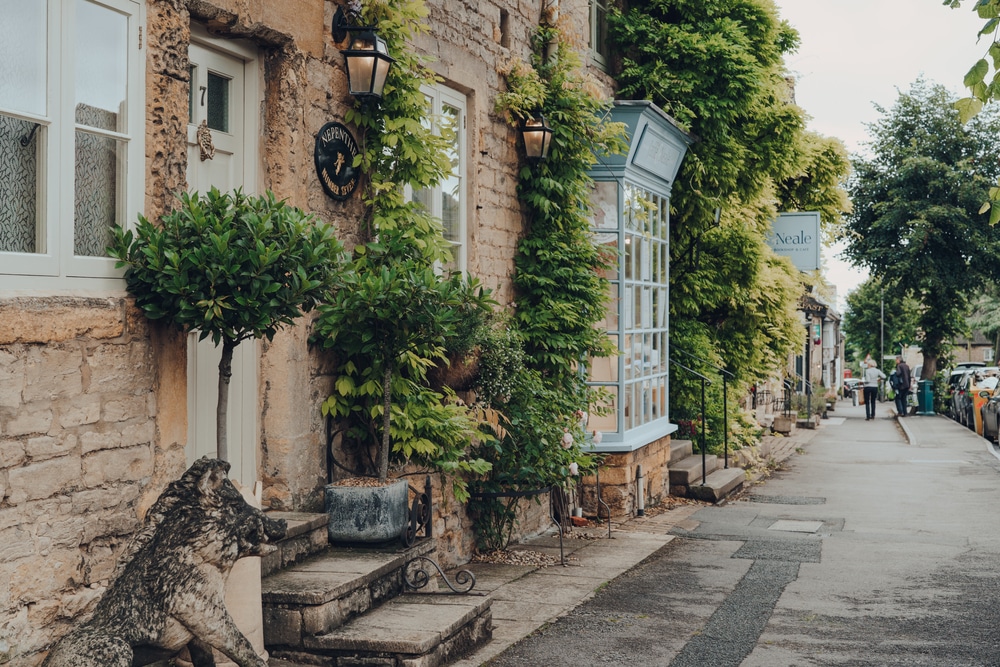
(342, 25)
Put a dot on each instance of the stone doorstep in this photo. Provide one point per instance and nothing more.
(305, 536)
(687, 472)
(329, 589)
(679, 450)
(414, 624)
(719, 485)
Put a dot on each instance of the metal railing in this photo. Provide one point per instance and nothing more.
(704, 447)
(725, 375)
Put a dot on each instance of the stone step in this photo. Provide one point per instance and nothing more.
(719, 485)
(680, 449)
(688, 471)
(326, 590)
(306, 535)
(413, 630)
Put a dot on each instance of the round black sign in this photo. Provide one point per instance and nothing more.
(334, 156)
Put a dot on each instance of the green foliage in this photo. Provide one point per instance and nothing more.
(561, 289)
(394, 315)
(871, 320)
(231, 267)
(228, 265)
(538, 429)
(717, 67)
(983, 78)
(530, 367)
(917, 223)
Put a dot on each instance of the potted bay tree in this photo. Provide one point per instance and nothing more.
(231, 267)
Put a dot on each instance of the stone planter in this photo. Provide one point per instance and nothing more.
(366, 514)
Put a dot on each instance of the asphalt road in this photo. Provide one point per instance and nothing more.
(863, 549)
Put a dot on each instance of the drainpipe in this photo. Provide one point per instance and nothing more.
(550, 17)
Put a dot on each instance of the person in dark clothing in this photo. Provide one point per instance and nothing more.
(903, 389)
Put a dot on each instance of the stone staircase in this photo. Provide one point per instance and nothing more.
(338, 606)
(688, 480)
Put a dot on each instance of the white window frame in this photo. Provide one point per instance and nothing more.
(988, 354)
(57, 270)
(595, 29)
(438, 96)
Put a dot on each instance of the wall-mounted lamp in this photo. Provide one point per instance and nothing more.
(367, 57)
(537, 136)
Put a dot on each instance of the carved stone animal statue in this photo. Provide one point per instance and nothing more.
(168, 590)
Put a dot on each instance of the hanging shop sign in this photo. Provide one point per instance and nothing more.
(796, 236)
(334, 156)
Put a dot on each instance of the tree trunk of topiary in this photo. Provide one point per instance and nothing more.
(383, 452)
(222, 407)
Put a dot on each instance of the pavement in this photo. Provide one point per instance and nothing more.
(528, 597)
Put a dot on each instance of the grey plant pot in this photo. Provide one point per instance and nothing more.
(364, 514)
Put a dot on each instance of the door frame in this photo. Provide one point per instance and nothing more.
(251, 120)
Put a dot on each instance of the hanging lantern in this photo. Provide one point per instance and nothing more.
(537, 136)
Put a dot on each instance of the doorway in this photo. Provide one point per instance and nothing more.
(221, 151)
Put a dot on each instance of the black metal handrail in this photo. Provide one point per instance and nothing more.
(725, 374)
(704, 447)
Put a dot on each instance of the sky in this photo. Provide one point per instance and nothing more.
(857, 53)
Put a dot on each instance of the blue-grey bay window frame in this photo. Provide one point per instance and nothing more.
(630, 204)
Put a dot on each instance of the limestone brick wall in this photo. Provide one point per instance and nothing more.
(618, 480)
(81, 452)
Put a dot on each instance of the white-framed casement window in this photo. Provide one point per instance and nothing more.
(599, 49)
(447, 202)
(71, 139)
(633, 223)
(988, 354)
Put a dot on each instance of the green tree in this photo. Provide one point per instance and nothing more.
(717, 67)
(231, 267)
(871, 320)
(918, 224)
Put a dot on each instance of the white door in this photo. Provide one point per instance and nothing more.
(220, 101)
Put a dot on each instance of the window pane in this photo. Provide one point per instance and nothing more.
(23, 45)
(604, 200)
(98, 167)
(101, 66)
(218, 102)
(19, 150)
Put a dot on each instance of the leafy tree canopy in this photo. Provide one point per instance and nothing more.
(918, 223)
(872, 321)
(717, 67)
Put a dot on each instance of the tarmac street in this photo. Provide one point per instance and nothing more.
(876, 543)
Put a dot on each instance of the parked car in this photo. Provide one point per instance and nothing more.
(973, 380)
(959, 381)
(991, 417)
(981, 392)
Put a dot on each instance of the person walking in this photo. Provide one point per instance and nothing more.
(872, 376)
(903, 385)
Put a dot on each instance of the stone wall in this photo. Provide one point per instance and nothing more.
(80, 446)
(618, 480)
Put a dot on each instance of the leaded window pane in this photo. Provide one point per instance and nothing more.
(97, 192)
(19, 160)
